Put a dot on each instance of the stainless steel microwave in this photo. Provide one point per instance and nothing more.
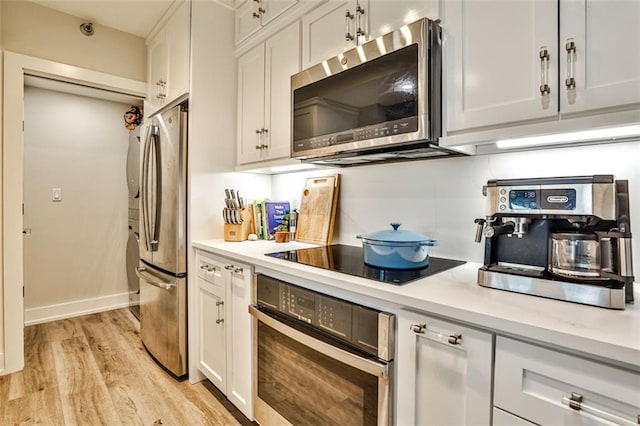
(380, 101)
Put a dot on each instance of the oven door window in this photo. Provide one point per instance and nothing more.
(306, 387)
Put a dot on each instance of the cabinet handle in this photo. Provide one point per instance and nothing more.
(359, 13)
(256, 15)
(258, 139)
(418, 328)
(219, 303)
(454, 339)
(544, 71)
(265, 132)
(228, 267)
(208, 268)
(347, 32)
(570, 47)
(575, 402)
(237, 270)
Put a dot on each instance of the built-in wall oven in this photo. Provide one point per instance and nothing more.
(318, 359)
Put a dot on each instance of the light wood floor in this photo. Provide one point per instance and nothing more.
(93, 370)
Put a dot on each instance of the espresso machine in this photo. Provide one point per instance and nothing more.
(566, 238)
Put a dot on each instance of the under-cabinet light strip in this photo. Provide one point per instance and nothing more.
(612, 133)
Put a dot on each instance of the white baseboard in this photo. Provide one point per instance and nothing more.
(75, 308)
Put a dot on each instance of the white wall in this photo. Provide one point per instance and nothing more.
(34, 30)
(212, 137)
(76, 251)
(441, 198)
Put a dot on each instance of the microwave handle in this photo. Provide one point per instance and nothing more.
(366, 365)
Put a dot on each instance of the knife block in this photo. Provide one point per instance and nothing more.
(238, 232)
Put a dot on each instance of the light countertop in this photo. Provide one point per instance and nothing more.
(595, 332)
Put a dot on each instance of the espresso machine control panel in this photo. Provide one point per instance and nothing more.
(578, 196)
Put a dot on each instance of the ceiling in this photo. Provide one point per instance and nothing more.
(132, 16)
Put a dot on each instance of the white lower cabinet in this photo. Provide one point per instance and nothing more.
(443, 372)
(213, 361)
(225, 330)
(548, 387)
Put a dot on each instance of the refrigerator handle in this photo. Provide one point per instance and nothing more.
(148, 278)
(158, 189)
(144, 187)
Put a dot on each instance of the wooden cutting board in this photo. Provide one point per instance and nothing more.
(318, 206)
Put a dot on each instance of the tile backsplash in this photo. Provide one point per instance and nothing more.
(441, 198)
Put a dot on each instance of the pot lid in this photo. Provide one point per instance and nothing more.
(396, 235)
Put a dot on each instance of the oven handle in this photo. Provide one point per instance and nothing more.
(368, 366)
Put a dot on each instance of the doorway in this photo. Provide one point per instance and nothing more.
(75, 201)
(15, 68)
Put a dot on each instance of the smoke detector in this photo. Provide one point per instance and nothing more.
(86, 28)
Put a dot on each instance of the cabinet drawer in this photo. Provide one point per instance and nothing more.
(210, 270)
(532, 383)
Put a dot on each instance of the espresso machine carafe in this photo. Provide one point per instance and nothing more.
(566, 238)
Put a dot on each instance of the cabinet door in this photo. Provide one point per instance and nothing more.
(240, 339)
(247, 20)
(275, 8)
(212, 333)
(178, 30)
(442, 379)
(282, 61)
(606, 62)
(251, 105)
(323, 31)
(157, 72)
(493, 70)
(389, 15)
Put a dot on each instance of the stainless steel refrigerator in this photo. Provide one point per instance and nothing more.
(163, 257)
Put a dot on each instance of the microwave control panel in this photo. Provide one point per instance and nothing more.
(389, 128)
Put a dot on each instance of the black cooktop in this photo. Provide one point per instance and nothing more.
(350, 260)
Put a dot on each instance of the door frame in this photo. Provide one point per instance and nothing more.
(12, 296)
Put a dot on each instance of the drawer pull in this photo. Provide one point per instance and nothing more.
(454, 339)
(576, 402)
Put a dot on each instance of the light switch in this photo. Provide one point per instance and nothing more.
(56, 194)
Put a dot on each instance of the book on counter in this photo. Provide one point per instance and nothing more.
(266, 216)
(273, 213)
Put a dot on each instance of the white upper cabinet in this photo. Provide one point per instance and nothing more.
(178, 31)
(340, 25)
(168, 60)
(498, 57)
(254, 14)
(538, 66)
(600, 50)
(389, 15)
(264, 96)
(156, 72)
(328, 30)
